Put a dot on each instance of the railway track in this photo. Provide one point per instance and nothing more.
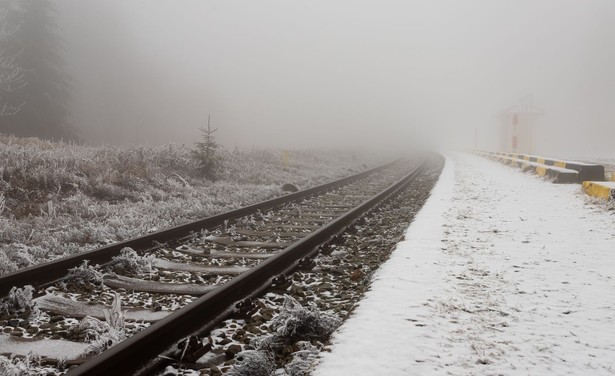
(161, 288)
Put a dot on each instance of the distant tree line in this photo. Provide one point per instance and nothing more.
(34, 90)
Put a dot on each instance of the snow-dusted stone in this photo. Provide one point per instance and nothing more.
(289, 187)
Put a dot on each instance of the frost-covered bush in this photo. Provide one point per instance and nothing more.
(298, 323)
(18, 302)
(294, 327)
(303, 359)
(20, 366)
(7, 265)
(83, 276)
(19, 256)
(129, 262)
(253, 363)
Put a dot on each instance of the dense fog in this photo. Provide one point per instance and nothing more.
(324, 73)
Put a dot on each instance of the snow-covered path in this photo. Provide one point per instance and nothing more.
(500, 273)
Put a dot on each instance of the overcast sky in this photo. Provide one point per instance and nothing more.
(315, 73)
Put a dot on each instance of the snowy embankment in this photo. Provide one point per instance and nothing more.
(500, 273)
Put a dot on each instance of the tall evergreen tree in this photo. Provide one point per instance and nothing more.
(11, 74)
(36, 47)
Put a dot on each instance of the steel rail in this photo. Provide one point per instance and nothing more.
(42, 274)
(132, 355)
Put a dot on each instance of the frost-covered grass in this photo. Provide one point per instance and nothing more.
(294, 327)
(58, 199)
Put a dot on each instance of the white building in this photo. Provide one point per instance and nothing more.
(517, 130)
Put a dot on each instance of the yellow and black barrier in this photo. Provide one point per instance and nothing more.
(600, 189)
(555, 173)
(586, 171)
(590, 175)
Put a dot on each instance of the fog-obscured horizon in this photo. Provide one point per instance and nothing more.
(297, 74)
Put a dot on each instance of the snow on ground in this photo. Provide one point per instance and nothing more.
(500, 273)
(58, 349)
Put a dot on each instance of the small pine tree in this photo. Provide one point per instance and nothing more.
(206, 153)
